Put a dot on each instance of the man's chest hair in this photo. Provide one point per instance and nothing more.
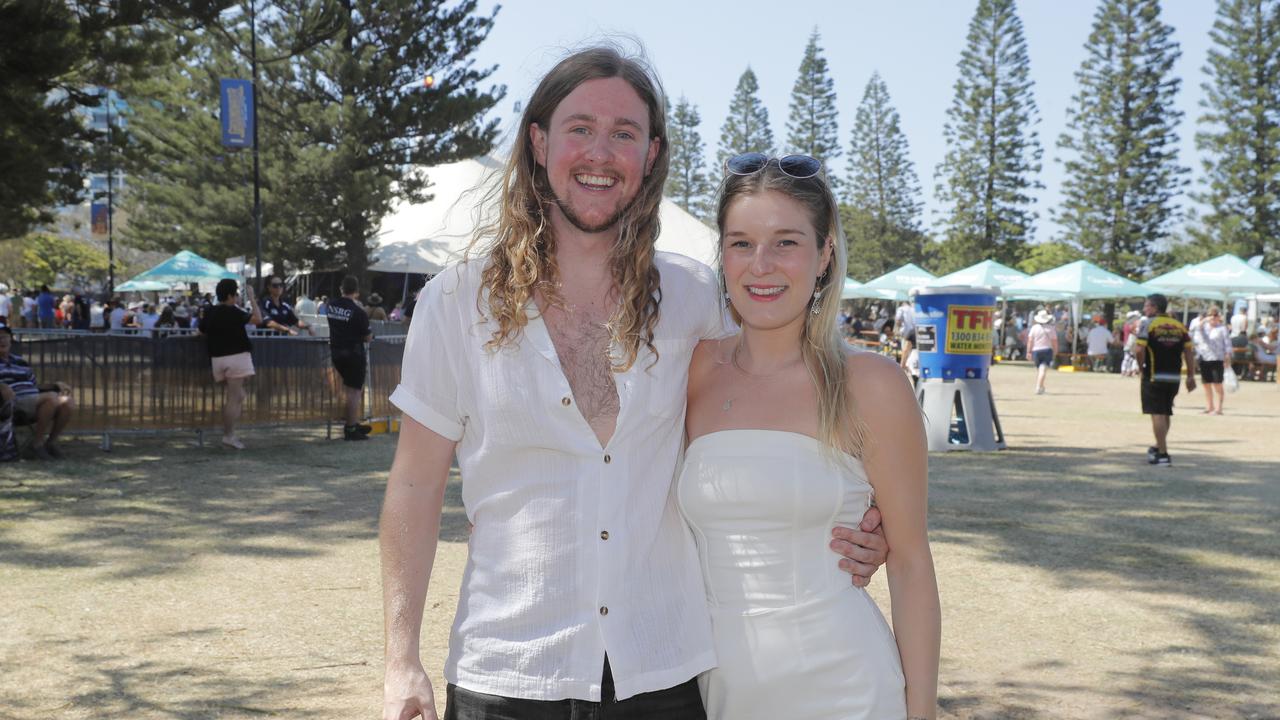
(582, 344)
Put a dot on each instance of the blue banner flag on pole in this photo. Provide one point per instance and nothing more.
(237, 113)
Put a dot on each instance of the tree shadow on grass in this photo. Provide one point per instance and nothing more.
(120, 686)
(155, 504)
(1206, 528)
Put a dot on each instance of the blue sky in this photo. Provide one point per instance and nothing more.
(701, 48)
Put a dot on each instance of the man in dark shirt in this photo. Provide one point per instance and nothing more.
(348, 332)
(223, 325)
(278, 314)
(1163, 343)
(46, 302)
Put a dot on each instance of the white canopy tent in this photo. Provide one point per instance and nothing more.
(424, 237)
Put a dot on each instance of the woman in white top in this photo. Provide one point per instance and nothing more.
(1042, 345)
(1213, 351)
(790, 433)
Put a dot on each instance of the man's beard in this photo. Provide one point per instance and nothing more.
(578, 223)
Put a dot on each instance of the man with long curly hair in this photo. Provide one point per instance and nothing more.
(553, 363)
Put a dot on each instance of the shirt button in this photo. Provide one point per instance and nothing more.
(604, 610)
(565, 401)
(608, 459)
(604, 534)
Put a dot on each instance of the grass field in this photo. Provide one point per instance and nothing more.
(163, 580)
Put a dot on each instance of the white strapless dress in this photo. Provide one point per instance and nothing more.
(794, 638)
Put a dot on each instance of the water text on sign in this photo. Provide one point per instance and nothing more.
(969, 329)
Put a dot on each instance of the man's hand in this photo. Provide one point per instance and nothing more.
(406, 693)
(1191, 382)
(864, 549)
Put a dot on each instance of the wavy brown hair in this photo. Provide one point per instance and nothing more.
(518, 244)
(821, 345)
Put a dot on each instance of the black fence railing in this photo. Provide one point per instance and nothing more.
(125, 382)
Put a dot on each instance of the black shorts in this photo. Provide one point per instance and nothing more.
(349, 362)
(1211, 372)
(1157, 397)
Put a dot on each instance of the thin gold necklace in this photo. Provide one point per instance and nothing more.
(756, 379)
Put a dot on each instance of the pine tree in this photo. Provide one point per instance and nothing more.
(1242, 143)
(746, 129)
(688, 184)
(342, 133)
(882, 193)
(1122, 169)
(993, 152)
(812, 128)
(51, 53)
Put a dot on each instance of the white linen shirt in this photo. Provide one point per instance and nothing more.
(578, 550)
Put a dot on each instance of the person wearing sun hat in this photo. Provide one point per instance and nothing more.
(1042, 346)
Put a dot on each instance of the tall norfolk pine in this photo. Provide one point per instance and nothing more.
(688, 184)
(812, 127)
(882, 193)
(1121, 145)
(993, 152)
(746, 128)
(341, 134)
(1241, 139)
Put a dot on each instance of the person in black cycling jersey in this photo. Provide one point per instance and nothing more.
(1163, 343)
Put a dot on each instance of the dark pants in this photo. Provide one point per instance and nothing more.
(682, 702)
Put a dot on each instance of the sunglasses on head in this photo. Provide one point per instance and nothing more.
(800, 167)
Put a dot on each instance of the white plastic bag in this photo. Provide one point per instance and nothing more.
(1229, 379)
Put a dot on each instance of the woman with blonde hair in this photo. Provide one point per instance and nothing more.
(788, 433)
(1213, 350)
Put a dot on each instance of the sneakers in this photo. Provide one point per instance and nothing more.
(41, 452)
(1160, 459)
(1039, 391)
(233, 442)
(1152, 452)
(355, 432)
(54, 451)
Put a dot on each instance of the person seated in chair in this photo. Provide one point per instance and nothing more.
(49, 405)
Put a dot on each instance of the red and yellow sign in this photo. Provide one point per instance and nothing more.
(969, 329)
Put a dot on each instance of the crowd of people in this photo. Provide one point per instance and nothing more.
(78, 310)
(225, 318)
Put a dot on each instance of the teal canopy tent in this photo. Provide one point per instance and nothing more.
(142, 286)
(1080, 280)
(1220, 278)
(185, 267)
(850, 289)
(1075, 282)
(987, 273)
(895, 284)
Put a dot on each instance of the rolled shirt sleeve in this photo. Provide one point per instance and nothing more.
(428, 389)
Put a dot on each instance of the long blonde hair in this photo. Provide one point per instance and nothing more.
(823, 349)
(519, 244)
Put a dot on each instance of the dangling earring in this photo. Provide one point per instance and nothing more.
(816, 307)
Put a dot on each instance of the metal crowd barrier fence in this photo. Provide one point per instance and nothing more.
(126, 382)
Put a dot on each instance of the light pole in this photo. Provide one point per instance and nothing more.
(111, 249)
(257, 118)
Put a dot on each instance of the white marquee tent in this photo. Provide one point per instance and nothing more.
(424, 237)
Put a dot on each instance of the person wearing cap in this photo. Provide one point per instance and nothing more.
(376, 311)
(1042, 344)
(50, 405)
(277, 314)
(230, 351)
